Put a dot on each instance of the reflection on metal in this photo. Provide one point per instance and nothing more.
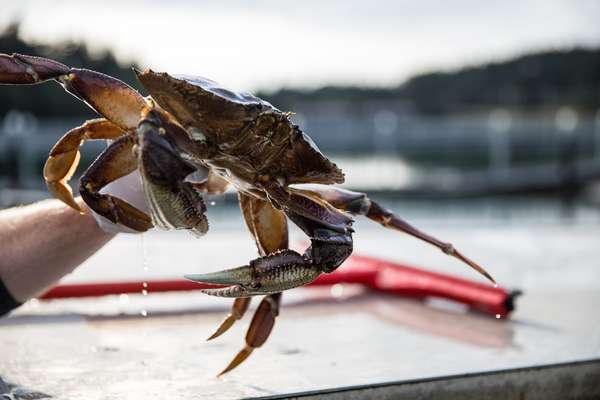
(461, 327)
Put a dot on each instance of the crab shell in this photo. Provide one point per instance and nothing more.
(247, 141)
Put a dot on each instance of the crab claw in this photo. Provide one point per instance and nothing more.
(173, 202)
(271, 274)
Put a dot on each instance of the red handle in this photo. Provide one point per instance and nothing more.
(414, 282)
(374, 273)
(107, 288)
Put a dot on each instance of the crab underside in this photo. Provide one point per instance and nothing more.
(189, 125)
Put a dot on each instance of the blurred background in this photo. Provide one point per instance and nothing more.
(466, 112)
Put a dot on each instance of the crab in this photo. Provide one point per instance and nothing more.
(191, 124)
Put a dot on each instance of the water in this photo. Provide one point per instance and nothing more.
(144, 291)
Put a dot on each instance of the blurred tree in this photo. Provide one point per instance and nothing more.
(553, 78)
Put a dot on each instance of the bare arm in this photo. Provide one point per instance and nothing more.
(42, 242)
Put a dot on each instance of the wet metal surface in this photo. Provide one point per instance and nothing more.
(324, 339)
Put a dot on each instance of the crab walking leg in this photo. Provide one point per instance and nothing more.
(115, 162)
(64, 156)
(19, 69)
(238, 309)
(259, 330)
(269, 228)
(240, 305)
(267, 225)
(357, 203)
(280, 271)
(108, 96)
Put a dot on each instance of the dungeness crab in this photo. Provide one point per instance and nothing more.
(189, 124)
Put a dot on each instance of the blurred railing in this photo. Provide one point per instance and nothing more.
(497, 146)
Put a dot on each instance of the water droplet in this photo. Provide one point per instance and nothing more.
(495, 285)
(212, 203)
(143, 312)
(144, 253)
(498, 316)
(337, 290)
(123, 298)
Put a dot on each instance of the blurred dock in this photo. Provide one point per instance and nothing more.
(383, 147)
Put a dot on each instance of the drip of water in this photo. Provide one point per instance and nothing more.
(123, 298)
(143, 312)
(337, 290)
(33, 303)
(212, 203)
(498, 316)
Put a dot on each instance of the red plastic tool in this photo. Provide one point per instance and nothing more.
(375, 274)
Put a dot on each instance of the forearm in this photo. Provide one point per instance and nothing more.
(42, 242)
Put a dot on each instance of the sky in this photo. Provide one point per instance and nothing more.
(271, 44)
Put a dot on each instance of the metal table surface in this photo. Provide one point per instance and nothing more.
(352, 344)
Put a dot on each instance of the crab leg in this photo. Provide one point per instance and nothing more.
(238, 309)
(240, 305)
(268, 227)
(114, 100)
(358, 203)
(115, 162)
(19, 69)
(64, 156)
(108, 96)
(259, 330)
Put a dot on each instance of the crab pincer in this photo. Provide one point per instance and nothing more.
(265, 275)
